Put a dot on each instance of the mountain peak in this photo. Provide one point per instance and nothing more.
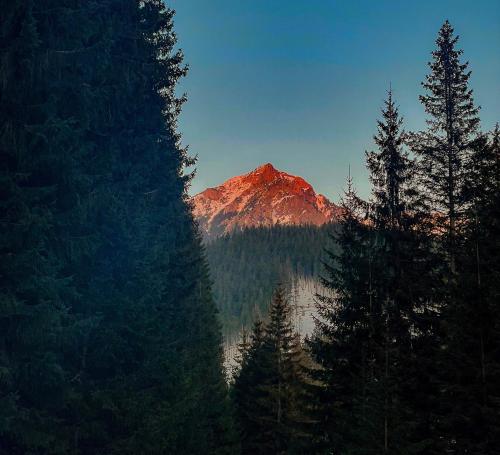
(262, 197)
(266, 172)
(265, 167)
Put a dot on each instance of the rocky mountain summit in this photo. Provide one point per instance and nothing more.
(263, 197)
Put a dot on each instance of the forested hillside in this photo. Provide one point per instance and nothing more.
(265, 256)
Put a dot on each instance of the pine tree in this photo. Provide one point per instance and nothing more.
(446, 145)
(123, 327)
(285, 380)
(401, 279)
(35, 291)
(343, 345)
(389, 172)
(472, 323)
(389, 169)
(146, 284)
(267, 387)
(446, 151)
(248, 393)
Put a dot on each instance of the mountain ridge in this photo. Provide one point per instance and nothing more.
(263, 197)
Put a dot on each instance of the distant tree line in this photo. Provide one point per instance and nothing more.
(265, 256)
(405, 358)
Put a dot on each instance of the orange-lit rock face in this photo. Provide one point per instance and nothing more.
(262, 197)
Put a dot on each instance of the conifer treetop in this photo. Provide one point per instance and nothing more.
(449, 100)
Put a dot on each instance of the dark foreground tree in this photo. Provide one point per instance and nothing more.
(34, 293)
(473, 337)
(377, 321)
(446, 152)
(268, 384)
(401, 281)
(109, 340)
(248, 394)
(343, 345)
(446, 145)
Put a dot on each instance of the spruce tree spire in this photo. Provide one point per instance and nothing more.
(446, 145)
(389, 166)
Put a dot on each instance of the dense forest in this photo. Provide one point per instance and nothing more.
(405, 355)
(265, 256)
(110, 340)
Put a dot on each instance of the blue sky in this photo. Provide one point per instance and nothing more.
(300, 83)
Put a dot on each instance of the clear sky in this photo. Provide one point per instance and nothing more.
(299, 83)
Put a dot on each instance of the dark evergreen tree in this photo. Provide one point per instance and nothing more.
(118, 350)
(402, 241)
(472, 323)
(283, 389)
(248, 394)
(390, 171)
(378, 318)
(146, 286)
(267, 386)
(445, 146)
(445, 152)
(35, 290)
(343, 345)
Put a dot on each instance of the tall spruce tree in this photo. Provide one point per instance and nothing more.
(401, 231)
(36, 292)
(343, 344)
(445, 152)
(248, 394)
(488, 282)
(147, 286)
(389, 169)
(123, 327)
(283, 346)
(445, 146)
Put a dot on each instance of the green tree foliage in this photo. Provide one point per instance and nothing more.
(402, 247)
(445, 146)
(266, 256)
(35, 293)
(343, 345)
(378, 322)
(407, 339)
(267, 385)
(248, 393)
(472, 322)
(452, 158)
(107, 313)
